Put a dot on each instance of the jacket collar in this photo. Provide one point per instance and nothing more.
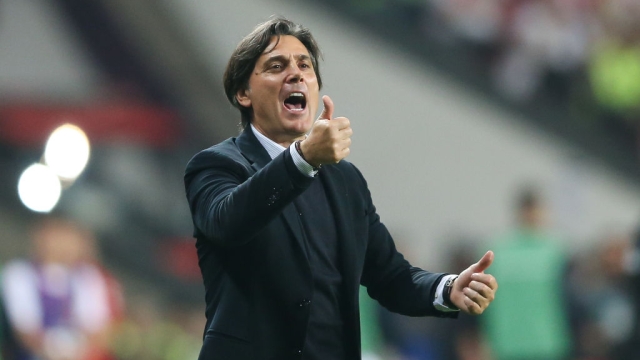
(251, 148)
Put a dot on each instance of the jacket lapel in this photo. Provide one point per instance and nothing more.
(253, 151)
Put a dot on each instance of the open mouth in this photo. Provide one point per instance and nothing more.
(295, 102)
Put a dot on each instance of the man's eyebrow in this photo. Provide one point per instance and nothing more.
(274, 58)
(285, 59)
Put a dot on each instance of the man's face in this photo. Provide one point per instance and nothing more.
(283, 91)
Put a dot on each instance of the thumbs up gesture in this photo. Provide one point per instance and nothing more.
(474, 290)
(329, 139)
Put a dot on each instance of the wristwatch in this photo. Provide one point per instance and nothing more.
(446, 293)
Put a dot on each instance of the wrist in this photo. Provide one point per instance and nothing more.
(446, 293)
(301, 149)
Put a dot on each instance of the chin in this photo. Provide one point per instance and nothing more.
(300, 126)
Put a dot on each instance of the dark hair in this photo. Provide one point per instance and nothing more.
(529, 198)
(244, 57)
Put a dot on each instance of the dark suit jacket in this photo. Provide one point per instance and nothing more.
(250, 244)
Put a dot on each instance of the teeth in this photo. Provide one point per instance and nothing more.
(296, 94)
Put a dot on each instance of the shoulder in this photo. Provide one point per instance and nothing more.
(225, 148)
(18, 266)
(18, 271)
(224, 152)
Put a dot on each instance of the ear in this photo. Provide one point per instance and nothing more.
(242, 96)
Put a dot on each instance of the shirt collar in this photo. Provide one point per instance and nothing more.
(273, 148)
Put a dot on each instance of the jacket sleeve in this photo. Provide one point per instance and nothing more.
(230, 203)
(388, 276)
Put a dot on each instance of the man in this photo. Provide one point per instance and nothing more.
(541, 332)
(57, 302)
(286, 229)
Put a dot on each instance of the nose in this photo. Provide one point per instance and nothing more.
(295, 74)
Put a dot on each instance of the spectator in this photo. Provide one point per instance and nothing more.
(371, 335)
(546, 40)
(614, 70)
(57, 302)
(476, 22)
(613, 305)
(629, 263)
(540, 331)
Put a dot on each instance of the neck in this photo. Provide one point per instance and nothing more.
(284, 140)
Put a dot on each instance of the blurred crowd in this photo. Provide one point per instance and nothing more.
(60, 303)
(553, 302)
(581, 56)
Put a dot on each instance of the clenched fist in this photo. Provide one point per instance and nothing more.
(329, 139)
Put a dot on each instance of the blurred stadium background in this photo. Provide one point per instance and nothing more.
(456, 106)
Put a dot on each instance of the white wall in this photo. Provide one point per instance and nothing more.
(41, 56)
(439, 159)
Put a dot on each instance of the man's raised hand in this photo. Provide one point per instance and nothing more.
(329, 139)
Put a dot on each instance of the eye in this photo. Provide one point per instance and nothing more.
(305, 66)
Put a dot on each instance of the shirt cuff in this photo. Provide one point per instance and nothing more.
(438, 301)
(299, 162)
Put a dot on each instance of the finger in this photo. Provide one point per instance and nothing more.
(472, 307)
(341, 146)
(327, 111)
(486, 279)
(341, 123)
(345, 152)
(345, 133)
(482, 289)
(346, 143)
(474, 295)
(483, 263)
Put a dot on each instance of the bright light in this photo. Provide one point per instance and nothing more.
(39, 188)
(67, 151)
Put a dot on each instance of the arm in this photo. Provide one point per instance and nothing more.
(22, 307)
(392, 281)
(409, 290)
(389, 277)
(229, 204)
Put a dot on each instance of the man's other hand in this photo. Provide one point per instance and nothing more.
(474, 290)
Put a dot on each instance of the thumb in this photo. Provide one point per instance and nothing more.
(327, 112)
(483, 263)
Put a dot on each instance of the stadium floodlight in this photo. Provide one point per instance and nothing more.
(67, 151)
(39, 188)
